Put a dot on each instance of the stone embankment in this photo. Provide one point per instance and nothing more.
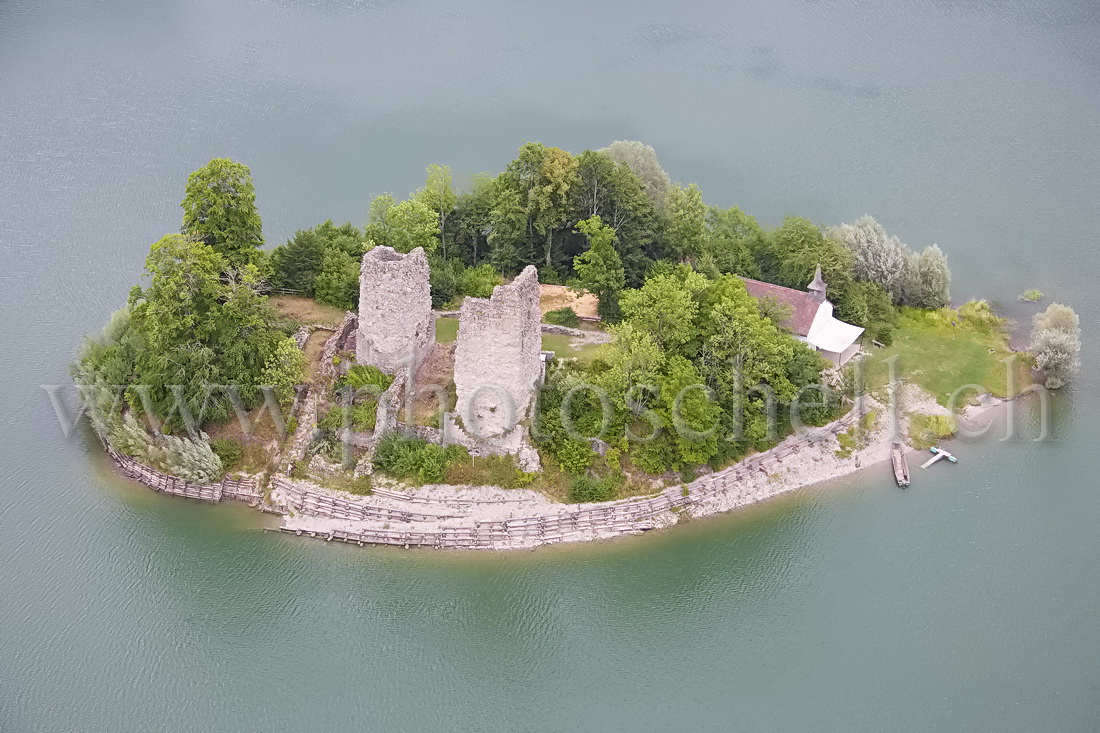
(498, 519)
(445, 518)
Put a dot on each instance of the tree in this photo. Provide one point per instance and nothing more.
(792, 253)
(931, 285)
(732, 236)
(337, 283)
(641, 159)
(285, 369)
(549, 197)
(612, 191)
(1059, 318)
(869, 306)
(403, 226)
(1056, 344)
(600, 270)
(507, 230)
(439, 195)
(877, 257)
(219, 208)
(296, 264)
(199, 326)
(470, 226)
(666, 307)
(686, 236)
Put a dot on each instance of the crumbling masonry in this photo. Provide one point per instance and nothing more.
(498, 357)
(396, 322)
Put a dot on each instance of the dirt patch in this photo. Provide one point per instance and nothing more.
(305, 310)
(553, 297)
(315, 344)
(435, 382)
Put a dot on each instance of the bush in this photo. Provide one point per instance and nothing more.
(1056, 344)
(416, 459)
(332, 421)
(1032, 295)
(228, 451)
(478, 282)
(130, 438)
(359, 377)
(363, 415)
(586, 489)
(979, 313)
(193, 461)
(443, 280)
(563, 317)
(926, 430)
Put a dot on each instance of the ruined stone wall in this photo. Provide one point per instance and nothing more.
(497, 357)
(395, 309)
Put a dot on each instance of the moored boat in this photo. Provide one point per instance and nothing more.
(901, 466)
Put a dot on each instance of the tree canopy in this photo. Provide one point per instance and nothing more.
(219, 208)
(599, 270)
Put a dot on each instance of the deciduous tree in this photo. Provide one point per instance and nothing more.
(599, 270)
(219, 208)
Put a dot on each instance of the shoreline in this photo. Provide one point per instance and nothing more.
(491, 518)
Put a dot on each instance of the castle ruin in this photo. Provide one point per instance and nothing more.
(396, 323)
(498, 362)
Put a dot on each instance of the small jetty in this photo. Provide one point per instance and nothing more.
(940, 454)
(901, 466)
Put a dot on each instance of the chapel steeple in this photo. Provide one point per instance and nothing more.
(817, 288)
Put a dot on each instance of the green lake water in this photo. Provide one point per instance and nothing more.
(969, 602)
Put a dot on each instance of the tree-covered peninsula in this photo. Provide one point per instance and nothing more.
(684, 370)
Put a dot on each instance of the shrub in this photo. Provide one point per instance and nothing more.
(444, 277)
(193, 461)
(415, 458)
(228, 451)
(362, 376)
(363, 415)
(926, 430)
(1056, 344)
(332, 421)
(563, 317)
(1032, 295)
(478, 282)
(129, 437)
(586, 489)
(979, 313)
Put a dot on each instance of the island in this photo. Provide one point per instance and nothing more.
(575, 349)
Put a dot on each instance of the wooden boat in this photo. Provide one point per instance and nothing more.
(901, 466)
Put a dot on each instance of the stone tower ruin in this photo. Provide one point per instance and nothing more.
(396, 322)
(498, 358)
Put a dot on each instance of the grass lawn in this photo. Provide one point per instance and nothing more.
(446, 330)
(941, 357)
(304, 310)
(562, 347)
